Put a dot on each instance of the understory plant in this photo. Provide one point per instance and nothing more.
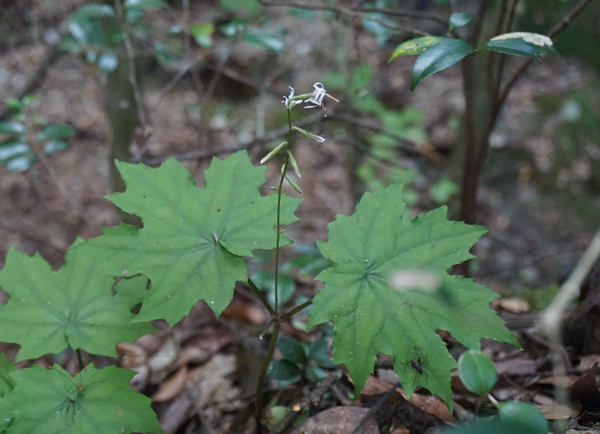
(386, 289)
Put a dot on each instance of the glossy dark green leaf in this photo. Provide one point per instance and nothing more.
(12, 128)
(291, 349)
(93, 11)
(263, 40)
(108, 62)
(415, 46)
(320, 354)
(444, 54)
(284, 372)
(56, 132)
(315, 374)
(16, 155)
(530, 45)
(524, 415)
(459, 19)
(54, 146)
(144, 4)
(477, 372)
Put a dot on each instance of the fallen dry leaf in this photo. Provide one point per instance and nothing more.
(513, 304)
(339, 420)
(172, 387)
(130, 355)
(585, 390)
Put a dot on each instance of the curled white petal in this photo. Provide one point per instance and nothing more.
(317, 96)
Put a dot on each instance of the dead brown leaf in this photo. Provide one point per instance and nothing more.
(339, 420)
(172, 387)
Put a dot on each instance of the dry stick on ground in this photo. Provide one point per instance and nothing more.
(310, 401)
(553, 315)
(373, 410)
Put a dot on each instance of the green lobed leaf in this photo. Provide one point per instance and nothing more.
(442, 55)
(7, 384)
(369, 317)
(525, 44)
(415, 46)
(193, 240)
(94, 401)
(477, 372)
(49, 310)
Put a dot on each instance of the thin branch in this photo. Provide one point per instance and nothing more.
(552, 316)
(295, 310)
(201, 154)
(352, 12)
(261, 296)
(558, 27)
(131, 64)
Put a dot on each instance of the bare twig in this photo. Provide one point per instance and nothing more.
(131, 64)
(552, 316)
(310, 401)
(373, 410)
(352, 12)
(558, 27)
(201, 154)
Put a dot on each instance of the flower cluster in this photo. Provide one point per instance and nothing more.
(315, 98)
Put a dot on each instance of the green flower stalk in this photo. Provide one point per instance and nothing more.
(314, 99)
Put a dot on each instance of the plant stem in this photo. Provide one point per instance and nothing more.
(274, 311)
(263, 374)
(278, 224)
(295, 310)
(261, 296)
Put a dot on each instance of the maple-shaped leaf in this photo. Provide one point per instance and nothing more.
(48, 310)
(94, 401)
(193, 240)
(370, 316)
(6, 385)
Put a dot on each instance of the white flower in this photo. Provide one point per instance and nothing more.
(287, 100)
(318, 94)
